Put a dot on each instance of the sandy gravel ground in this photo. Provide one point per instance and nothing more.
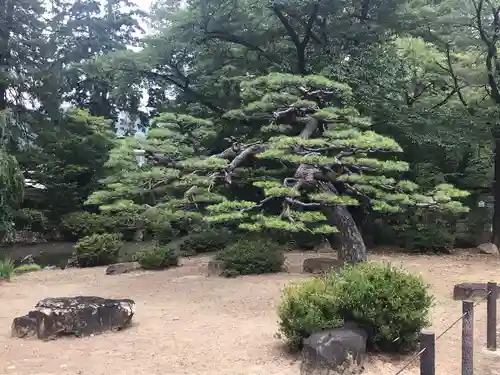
(187, 323)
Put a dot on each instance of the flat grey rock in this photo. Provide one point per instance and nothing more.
(320, 265)
(215, 268)
(488, 248)
(334, 351)
(119, 268)
(80, 316)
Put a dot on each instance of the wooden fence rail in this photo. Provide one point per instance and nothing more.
(428, 339)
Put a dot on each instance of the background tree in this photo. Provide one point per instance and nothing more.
(67, 159)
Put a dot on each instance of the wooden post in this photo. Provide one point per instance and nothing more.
(428, 357)
(491, 329)
(467, 338)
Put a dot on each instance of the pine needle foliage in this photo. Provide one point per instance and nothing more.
(313, 151)
(154, 188)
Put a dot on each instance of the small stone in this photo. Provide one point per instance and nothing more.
(488, 248)
(334, 351)
(11, 367)
(320, 265)
(119, 268)
(215, 268)
(80, 316)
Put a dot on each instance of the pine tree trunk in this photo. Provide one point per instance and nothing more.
(352, 246)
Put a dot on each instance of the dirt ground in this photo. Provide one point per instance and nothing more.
(187, 323)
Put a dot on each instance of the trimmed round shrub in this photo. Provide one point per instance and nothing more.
(391, 304)
(98, 249)
(158, 257)
(305, 309)
(251, 257)
(204, 242)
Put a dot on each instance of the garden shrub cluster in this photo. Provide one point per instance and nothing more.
(390, 303)
(158, 257)
(98, 249)
(251, 256)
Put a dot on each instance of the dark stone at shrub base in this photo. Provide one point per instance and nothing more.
(334, 351)
(80, 316)
(469, 291)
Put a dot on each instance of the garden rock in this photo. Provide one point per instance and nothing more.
(119, 268)
(215, 268)
(469, 291)
(488, 248)
(80, 316)
(334, 351)
(320, 265)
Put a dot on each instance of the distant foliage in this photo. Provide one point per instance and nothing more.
(205, 242)
(31, 219)
(11, 186)
(98, 249)
(390, 303)
(251, 257)
(427, 231)
(158, 257)
(79, 224)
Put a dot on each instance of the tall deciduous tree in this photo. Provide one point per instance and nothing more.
(467, 32)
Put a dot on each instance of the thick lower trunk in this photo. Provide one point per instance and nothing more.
(496, 193)
(352, 246)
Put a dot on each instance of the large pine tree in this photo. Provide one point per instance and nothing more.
(304, 155)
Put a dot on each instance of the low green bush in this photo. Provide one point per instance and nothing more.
(6, 268)
(205, 242)
(251, 257)
(23, 268)
(98, 249)
(158, 257)
(307, 308)
(390, 303)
